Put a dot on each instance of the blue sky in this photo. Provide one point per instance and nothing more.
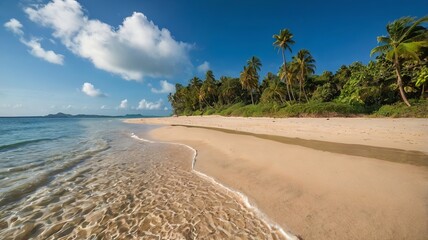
(120, 57)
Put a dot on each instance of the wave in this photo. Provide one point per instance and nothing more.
(33, 183)
(7, 147)
(244, 199)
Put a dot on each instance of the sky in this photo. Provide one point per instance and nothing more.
(125, 57)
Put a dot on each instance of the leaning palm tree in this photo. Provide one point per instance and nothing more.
(274, 92)
(284, 40)
(405, 38)
(290, 74)
(249, 80)
(306, 66)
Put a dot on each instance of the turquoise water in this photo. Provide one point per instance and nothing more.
(100, 179)
(34, 150)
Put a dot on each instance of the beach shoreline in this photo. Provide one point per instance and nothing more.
(313, 193)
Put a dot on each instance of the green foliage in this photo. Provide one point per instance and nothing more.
(319, 109)
(406, 37)
(400, 68)
(324, 93)
(418, 109)
(422, 77)
(275, 92)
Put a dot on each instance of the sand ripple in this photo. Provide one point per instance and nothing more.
(133, 191)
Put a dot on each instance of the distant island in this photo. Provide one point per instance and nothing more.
(65, 115)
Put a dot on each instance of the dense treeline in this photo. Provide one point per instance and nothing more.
(397, 78)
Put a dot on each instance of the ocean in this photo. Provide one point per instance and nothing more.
(70, 178)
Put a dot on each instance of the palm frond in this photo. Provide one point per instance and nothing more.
(412, 27)
(380, 49)
(384, 40)
(410, 50)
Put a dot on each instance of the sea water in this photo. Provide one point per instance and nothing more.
(98, 179)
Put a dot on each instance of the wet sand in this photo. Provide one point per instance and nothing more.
(312, 193)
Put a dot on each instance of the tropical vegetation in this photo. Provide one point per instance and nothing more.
(393, 84)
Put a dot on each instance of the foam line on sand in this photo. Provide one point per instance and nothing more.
(242, 197)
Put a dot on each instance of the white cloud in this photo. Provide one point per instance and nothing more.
(166, 87)
(123, 104)
(135, 49)
(165, 109)
(37, 50)
(15, 26)
(104, 107)
(146, 105)
(204, 67)
(91, 91)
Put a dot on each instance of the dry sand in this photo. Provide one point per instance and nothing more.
(312, 193)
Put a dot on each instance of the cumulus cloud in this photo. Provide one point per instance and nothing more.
(90, 90)
(166, 87)
(123, 104)
(15, 26)
(146, 105)
(204, 67)
(135, 49)
(37, 50)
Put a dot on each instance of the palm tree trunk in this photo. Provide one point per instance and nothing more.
(303, 88)
(423, 91)
(304, 93)
(285, 74)
(400, 81)
(291, 90)
(252, 100)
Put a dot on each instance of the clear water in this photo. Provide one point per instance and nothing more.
(90, 179)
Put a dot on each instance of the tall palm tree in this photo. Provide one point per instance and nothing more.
(208, 89)
(248, 80)
(254, 63)
(284, 40)
(405, 38)
(306, 66)
(194, 89)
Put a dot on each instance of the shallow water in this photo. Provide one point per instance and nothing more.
(124, 189)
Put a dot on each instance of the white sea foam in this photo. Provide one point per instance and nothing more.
(244, 199)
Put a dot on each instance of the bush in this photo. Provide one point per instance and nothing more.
(320, 109)
(324, 93)
(418, 109)
(209, 111)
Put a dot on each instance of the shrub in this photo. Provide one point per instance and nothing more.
(418, 109)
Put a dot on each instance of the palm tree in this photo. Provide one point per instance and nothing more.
(274, 92)
(254, 63)
(249, 80)
(229, 89)
(404, 40)
(284, 40)
(208, 89)
(195, 85)
(290, 75)
(306, 66)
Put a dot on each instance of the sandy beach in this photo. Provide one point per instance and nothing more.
(313, 193)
